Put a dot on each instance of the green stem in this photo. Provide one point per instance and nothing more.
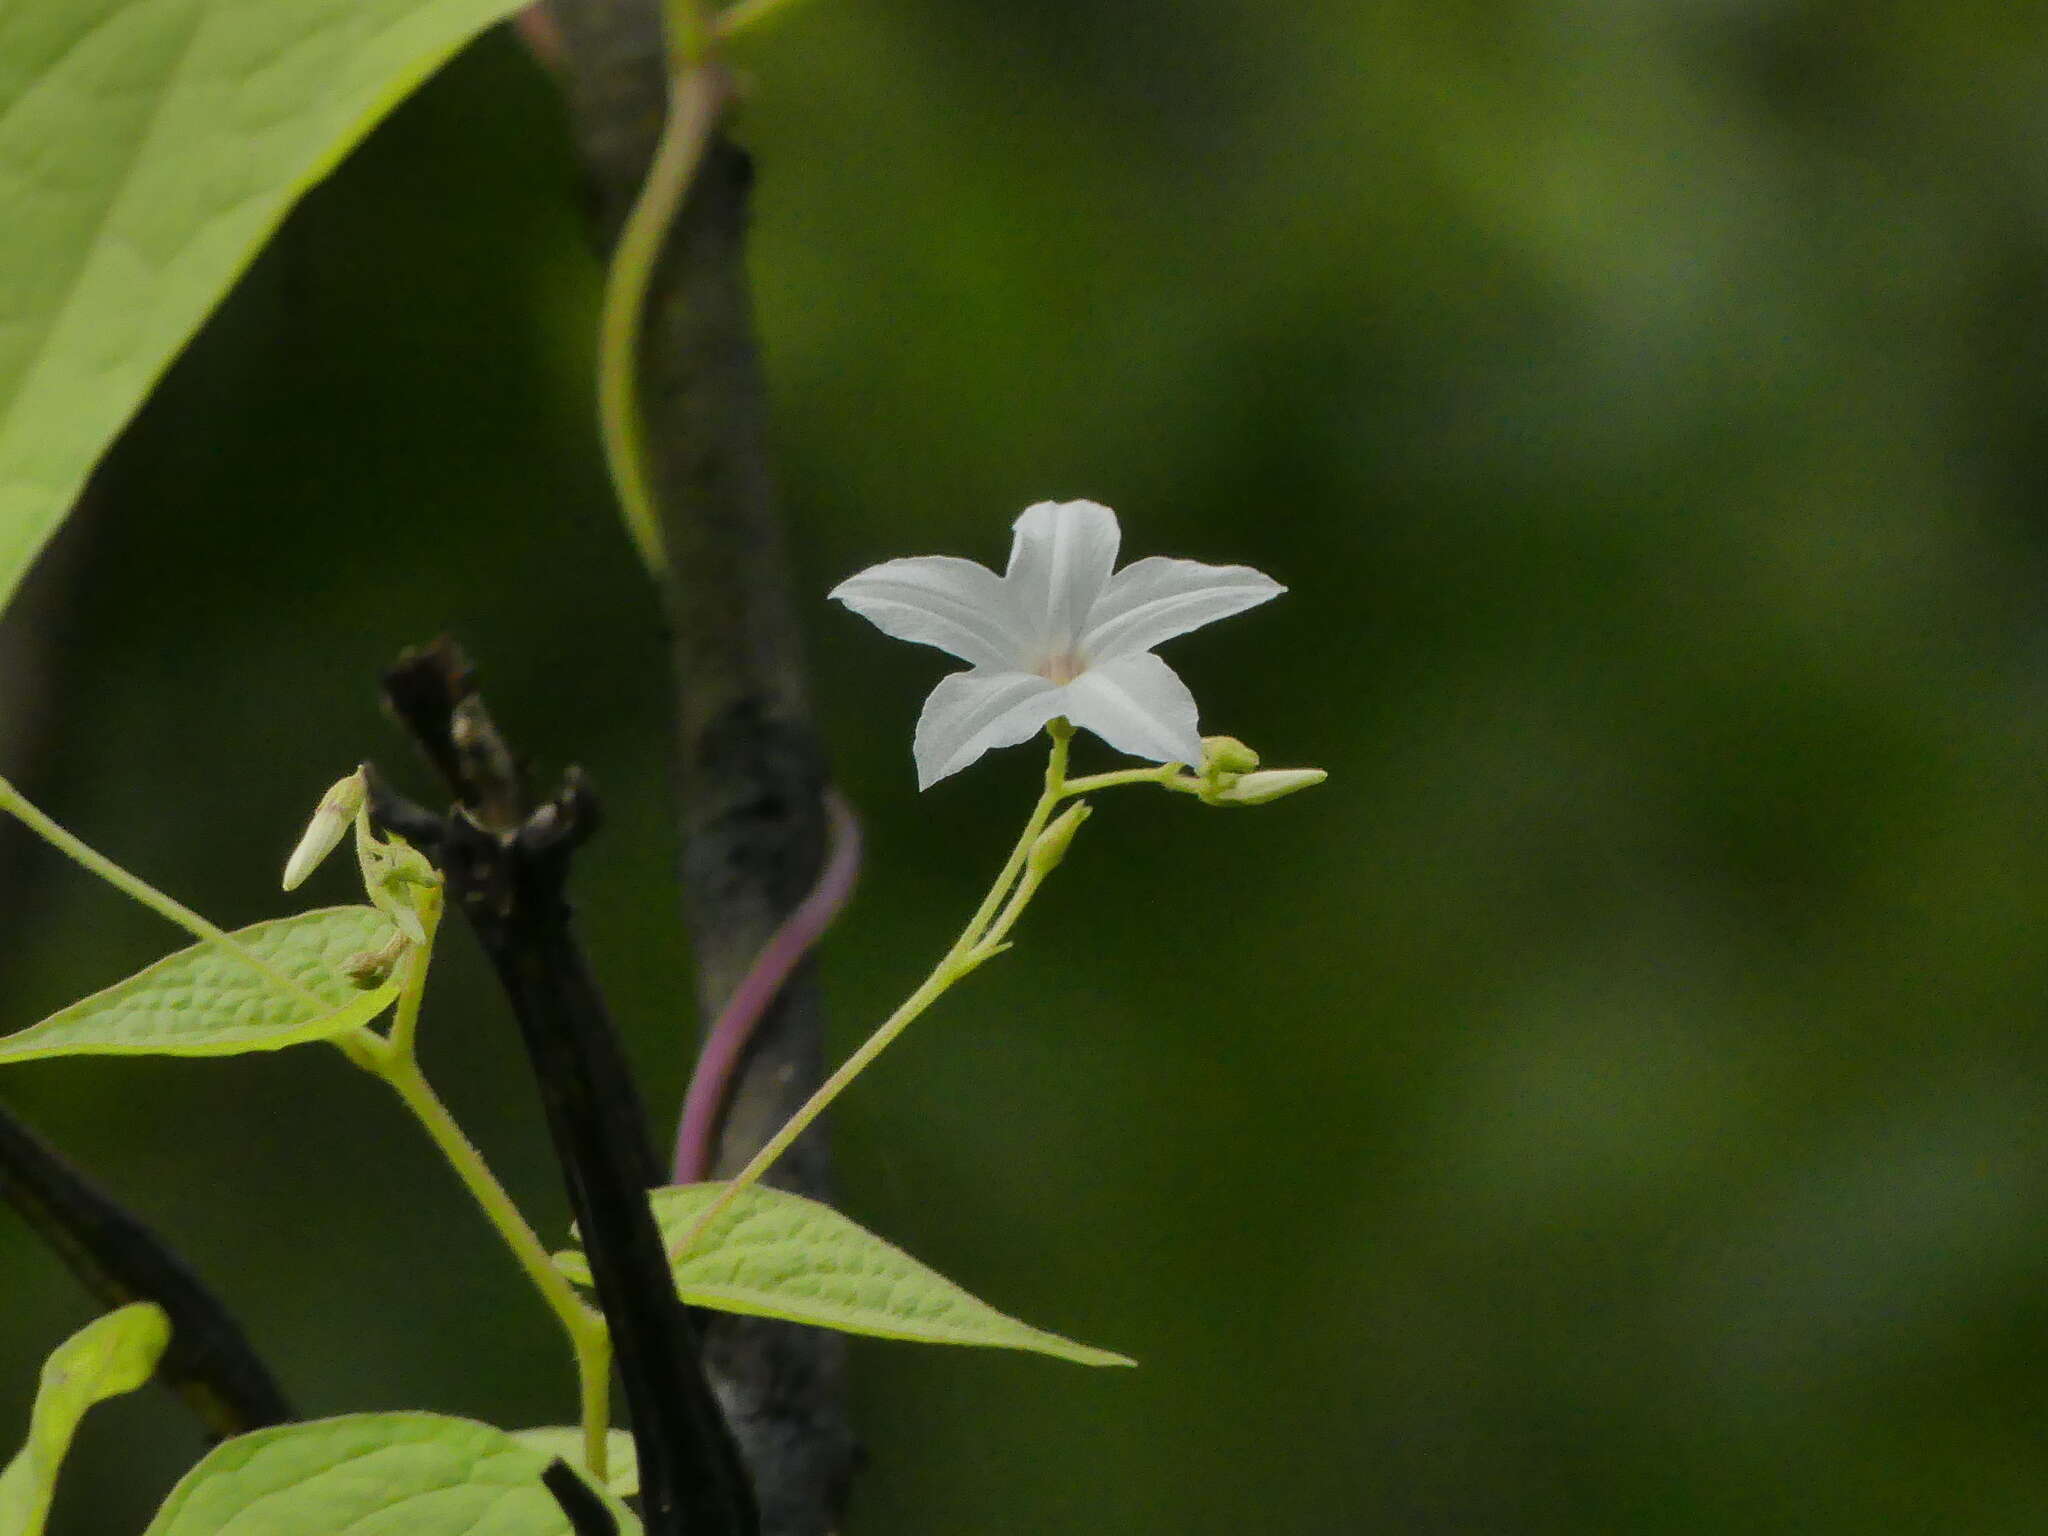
(1055, 788)
(1169, 775)
(739, 18)
(402, 1042)
(991, 943)
(594, 1396)
(688, 27)
(696, 96)
(395, 1060)
(978, 942)
(17, 805)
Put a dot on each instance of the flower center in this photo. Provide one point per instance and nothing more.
(1061, 667)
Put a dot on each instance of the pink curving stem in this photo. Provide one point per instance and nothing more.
(704, 1103)
(543, 38)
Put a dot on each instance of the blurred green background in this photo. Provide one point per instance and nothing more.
(1614, 1103)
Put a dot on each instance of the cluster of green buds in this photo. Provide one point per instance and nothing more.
(399, 880)
(1231, 775)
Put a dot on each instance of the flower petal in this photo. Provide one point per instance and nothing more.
(1138, 705)
(1155, 599)
(941, 600)
(1060, 561)
(970, 712)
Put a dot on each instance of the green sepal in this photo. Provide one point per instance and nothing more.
(399, 881)
(774, 1254)
(420, 1474)
(108, 1356)
(209, 1001)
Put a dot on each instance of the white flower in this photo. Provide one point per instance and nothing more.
(1055, 634)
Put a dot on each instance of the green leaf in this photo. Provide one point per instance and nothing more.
(109, 1356)
(775, 1254)
(622, 1456)
(371, 1474)
(207, 1001)
(148, 148)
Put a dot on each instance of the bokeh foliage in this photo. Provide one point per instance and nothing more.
(1613, 1103)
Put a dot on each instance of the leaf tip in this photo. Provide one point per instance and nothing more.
(1087, 1354)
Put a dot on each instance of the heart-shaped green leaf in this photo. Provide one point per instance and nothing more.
(622, 1456)
(148, 148)
(109, 1356)
(209, 1001)
(774, 1254)
(371, 1474)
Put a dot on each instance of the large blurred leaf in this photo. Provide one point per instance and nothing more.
(147, 150)
(420, 1473)
(110, 1355)
(774, 1254)
(207, 1001)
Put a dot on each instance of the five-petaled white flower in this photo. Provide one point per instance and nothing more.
(1056, 634)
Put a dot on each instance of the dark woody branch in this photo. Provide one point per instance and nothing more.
(507, 870)
(209, 1362)
(750, 774)
(584, 1509)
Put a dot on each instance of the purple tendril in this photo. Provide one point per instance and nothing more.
(704, 1103)
(538, 30)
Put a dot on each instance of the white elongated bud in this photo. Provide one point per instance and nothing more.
(1269, 784)
(338, 807)
(1051, 844)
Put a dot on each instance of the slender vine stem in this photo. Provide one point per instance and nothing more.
(746, 15)
(72, 847)
(726, 1041)
(977, 943)
(395, 1061)
(1055, 788)
(688, 28)
(993, 940)
(1166, 775)
(696, 98)
(588, 1338)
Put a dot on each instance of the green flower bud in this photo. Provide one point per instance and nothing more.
(337, 808)
(1258, 788)
(1051, 845)
(1226, 754)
